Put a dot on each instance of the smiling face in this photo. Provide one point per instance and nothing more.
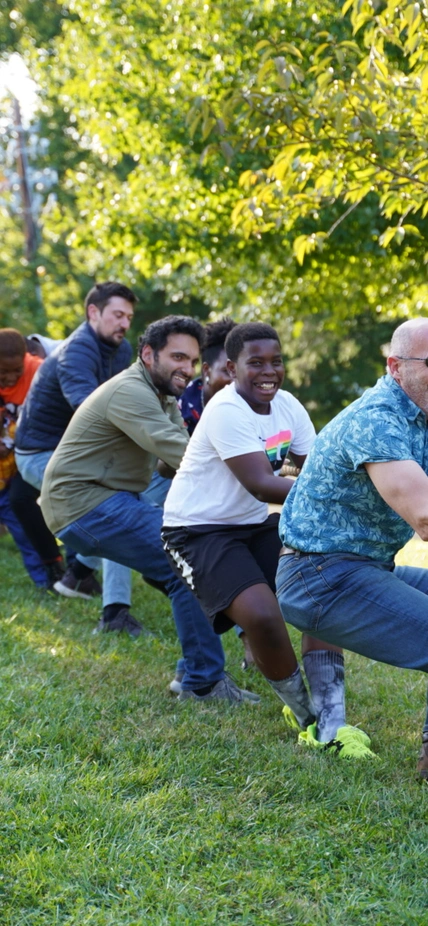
(258, 373)
(412, 375)
(11, 369)
(172, 368)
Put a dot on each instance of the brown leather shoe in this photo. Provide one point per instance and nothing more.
(422, 766)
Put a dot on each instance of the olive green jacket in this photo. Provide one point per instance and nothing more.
(111, 445)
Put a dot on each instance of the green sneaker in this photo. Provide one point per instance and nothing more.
(349, 742)
(290, 719)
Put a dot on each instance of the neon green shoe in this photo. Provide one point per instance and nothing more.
(349, 742)
(290, 719)
(308, 737)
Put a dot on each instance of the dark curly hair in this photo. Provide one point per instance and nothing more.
(251, 331)
(215, 334)
(12, 343)
(158, 332)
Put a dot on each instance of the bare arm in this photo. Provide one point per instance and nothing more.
(403, 485)
(297, 458)
(254, 472)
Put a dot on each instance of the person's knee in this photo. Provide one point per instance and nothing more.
(267, 625)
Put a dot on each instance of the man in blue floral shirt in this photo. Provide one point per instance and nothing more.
(362, 494)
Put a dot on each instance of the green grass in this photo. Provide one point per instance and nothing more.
(121, 807)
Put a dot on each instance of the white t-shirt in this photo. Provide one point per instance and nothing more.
(204, 490)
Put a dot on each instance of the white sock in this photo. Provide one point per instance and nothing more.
(293, 692)
(325, 673)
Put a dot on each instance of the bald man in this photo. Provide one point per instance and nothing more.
(362, 494)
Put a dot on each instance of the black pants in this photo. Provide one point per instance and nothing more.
(23, 499)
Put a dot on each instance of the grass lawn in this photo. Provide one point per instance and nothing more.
(121, 807)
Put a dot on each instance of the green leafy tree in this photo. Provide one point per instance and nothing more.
(173, 130)
(335, 120)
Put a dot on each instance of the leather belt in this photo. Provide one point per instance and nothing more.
(287, 551)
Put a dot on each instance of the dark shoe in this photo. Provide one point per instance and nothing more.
(123, 621)
(422, 766)
(224, 690)
(55, 573)
(71, 587)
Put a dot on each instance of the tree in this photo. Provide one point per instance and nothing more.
(155, 115)
(335, 120)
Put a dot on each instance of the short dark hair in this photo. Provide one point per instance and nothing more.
(215, 334)
(101, 293)
(12, 343)
(251, 331)
(158, 332)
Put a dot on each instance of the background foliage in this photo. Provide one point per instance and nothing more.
(267, 160)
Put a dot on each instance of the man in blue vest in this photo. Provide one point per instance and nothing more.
(91, 355)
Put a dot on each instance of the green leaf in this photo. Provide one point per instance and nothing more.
(412, 230)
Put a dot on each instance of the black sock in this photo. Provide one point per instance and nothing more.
(204, 691)
(110, 610)
(79, 570)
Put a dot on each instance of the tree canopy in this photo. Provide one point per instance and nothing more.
(337, 120)
(259, 159)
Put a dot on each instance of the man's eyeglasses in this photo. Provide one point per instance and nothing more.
(421, 359)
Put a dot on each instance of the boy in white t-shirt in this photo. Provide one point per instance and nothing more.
(222, 541)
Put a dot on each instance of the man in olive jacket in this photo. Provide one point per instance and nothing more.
(90, 496)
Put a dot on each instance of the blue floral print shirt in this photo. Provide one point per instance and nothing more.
(334, 506)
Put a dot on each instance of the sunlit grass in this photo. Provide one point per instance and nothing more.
(121, 807)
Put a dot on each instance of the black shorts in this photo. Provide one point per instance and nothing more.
(219, 561)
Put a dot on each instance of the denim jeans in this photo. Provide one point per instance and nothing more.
(157, 490)
(116, 579)
(368, 607)
(31, 558)
(32, 466)
(128, 528)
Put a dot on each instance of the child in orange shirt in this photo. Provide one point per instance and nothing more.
(17, 369)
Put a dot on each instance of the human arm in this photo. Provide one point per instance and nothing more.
(254, 472)
(297, 458)
(403, 485)
(80, 368)
(77, 371)
(137, 411)
(167, 472)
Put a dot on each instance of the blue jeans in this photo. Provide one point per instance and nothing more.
(31, 558)
(116, 579)
(157, 490)
(371, 608)
(128, 528)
